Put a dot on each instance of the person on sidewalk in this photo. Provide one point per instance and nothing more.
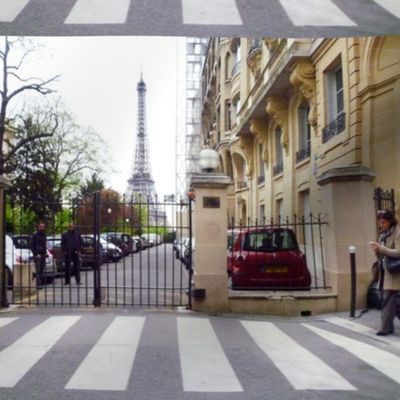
(71, 244)
(388, 245)
(38, 246)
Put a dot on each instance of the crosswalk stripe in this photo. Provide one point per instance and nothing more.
(204, 365)
(108, 365)
(393, 6)
(383, 361)
(17, 359)
(211, 12)
(312, 13)
(364, 330)
(9, 9)
(99, 12)
(301, 368)
(6, 321)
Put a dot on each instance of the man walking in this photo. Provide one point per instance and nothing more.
(71, 244)
(38, 247)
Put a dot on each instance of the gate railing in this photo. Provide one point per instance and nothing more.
(138, 266)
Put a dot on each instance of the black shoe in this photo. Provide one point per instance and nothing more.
(381, 333)
(78, 283)
(66, 283)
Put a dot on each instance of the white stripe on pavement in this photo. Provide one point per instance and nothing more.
(364, 330)
(300, 367)
(9, 9)
(383, 361)
(393, 6)
(211, 12)
(204, 365)
(6, 321)
(17, 359)
(315, 13)
(108, 365)
(99, 12)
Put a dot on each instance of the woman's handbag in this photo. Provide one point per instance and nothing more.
(392, 264)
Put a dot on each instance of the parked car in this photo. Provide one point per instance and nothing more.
(111, 252)
(267, 258)
(54, 247)
(188, 251)
(22, 242)
(138, 242)
(88, 253)
(123, 240)
(177, 247)
(21, 254)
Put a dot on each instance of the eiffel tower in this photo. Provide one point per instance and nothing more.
(141, 184)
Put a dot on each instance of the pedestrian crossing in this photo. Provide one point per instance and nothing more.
(207, 364)
(318, 13)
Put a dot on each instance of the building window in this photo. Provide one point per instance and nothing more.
(262, 214)
(304, 144)
(228, 116)
(279, 210)
(335, 104)
(227, 66)
(261, 165)
(235, 111)
(278, 167)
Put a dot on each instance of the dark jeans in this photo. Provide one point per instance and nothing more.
(74, 259)
(40, 262)
(390, 310)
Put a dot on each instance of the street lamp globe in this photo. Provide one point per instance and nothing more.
(208, 160)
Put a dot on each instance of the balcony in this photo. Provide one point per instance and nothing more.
(261, 179)
(303, 153)
(334, 128)
(254, 57)
(278, 169)
(241, 185)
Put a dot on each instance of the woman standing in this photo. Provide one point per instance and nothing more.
(388, 245)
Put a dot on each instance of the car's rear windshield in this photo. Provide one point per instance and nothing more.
(268, 241)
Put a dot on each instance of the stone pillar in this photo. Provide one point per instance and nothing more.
(4, 184)
(347, 198)
(210, 224)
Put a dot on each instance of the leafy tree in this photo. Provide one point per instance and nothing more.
(44, 173)
(92, 185)
(13, 54)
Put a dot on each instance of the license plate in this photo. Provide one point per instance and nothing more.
(276, 269)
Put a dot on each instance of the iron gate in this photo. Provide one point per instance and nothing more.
(135, 252)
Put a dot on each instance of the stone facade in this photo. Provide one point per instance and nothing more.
(308, 125)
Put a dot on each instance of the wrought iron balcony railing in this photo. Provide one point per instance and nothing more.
(278, 168)
(241, 184)
(261, 179)
(303, 153)
(334, 128)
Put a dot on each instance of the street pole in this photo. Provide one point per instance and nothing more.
(352, 251)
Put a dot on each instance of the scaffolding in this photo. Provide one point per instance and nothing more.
(190, 58)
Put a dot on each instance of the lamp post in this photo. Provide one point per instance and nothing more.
(208, 160)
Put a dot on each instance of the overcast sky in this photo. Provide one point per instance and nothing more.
(98, 86)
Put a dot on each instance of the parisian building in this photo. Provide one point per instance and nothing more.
(307, 126)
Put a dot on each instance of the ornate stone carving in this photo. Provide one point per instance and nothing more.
(303, 77)
(259, 128)
(271, 44)
(246, 144)
(254, 62)
(277, 108)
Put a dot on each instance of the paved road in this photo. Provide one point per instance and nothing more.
(152, 277)
(204, 18)
(170, 355)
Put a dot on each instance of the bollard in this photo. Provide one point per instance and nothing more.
(352, 251)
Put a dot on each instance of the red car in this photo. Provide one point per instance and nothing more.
(266, 258)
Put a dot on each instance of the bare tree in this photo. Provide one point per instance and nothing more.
(13, 55)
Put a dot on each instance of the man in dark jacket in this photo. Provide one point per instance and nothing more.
(38, 247)
(71, 244)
